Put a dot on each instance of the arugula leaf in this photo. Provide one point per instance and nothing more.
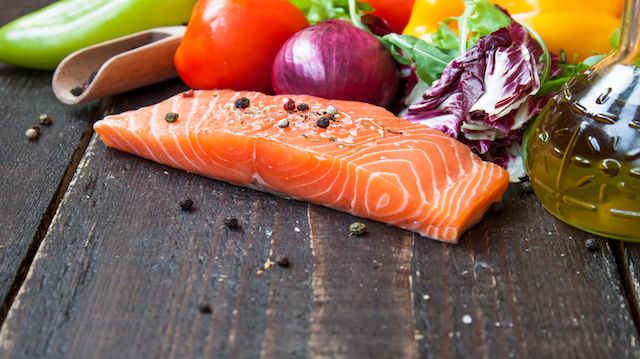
(567, 72)
(431, 56)
(321, 10)
(429, 60)
(614, 40)
(480, 18)
(445, 38)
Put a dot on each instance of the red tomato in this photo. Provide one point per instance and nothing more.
(395, 12)
(232, 43)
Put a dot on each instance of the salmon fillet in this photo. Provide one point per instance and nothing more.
(367, 162)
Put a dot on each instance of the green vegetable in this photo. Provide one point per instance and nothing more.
(429, 60)
(321, 10)
(480, 18)
(42, 39)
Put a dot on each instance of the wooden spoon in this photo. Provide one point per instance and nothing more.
(118, 65)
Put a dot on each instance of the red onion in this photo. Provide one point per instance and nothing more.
(336, 60)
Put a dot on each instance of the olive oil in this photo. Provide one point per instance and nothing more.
(583, 153)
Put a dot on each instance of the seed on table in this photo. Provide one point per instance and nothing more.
(331, 110)
(526, 187)
(205, 309)
(186, 204)
(284, 123)
(303, 107)
(283, 262)
(591, 245)
(357, 229)
(44, 119)
(189, 93)
(496, 208)
(32, 133)
(231, 222)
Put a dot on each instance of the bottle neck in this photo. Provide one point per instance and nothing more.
(630, 35)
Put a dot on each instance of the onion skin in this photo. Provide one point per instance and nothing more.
(336, 60)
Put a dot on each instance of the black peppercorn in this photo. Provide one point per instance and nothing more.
(323, 122)
(205, 309)
(591, 245)
(496, 208)
(303, 107)
(242, 102)
(231, 222)
(283, 262)
(77, 91)
(526, 187)
(186, 204)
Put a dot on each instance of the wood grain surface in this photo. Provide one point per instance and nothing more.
(31, 172)
(123, 272)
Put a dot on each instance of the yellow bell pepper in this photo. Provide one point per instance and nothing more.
(577, 27)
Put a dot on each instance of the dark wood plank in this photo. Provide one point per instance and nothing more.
(521, 285)
(362, 294)
(629, 268)
(124, 273)
(32, 173)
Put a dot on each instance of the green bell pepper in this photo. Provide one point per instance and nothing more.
(41, 40)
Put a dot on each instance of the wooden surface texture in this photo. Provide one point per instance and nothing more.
(98, 260)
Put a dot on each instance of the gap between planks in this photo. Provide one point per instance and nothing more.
(629, 288)
(47, 217)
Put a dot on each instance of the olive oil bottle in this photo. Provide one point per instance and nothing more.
(583, 151)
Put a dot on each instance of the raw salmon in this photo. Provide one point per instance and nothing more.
(367, 162)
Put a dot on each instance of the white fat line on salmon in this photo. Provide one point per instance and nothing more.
(134, 131)
(153, 126)
(192, 112)
(171, 130)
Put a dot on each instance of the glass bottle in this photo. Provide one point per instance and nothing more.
(583, 151)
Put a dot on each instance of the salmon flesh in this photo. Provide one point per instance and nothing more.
(366, 161)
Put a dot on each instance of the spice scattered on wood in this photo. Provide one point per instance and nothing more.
(77, 91)
(395, 132)
(303, 107)
(189, 93)
(44, 119)
(186, 204)
(323, 122)
(32, 133)
(284, 123)
(231, 222)
(242, 102)
(289, 105)
(171, 117)
(496, 208)
(205, 309)
(526, 187)
(331, 110)
(591, 244)
(357, 229)
(283, 262)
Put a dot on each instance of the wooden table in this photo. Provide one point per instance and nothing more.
(97, 260)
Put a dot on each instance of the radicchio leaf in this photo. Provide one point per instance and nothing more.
(485, 96)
